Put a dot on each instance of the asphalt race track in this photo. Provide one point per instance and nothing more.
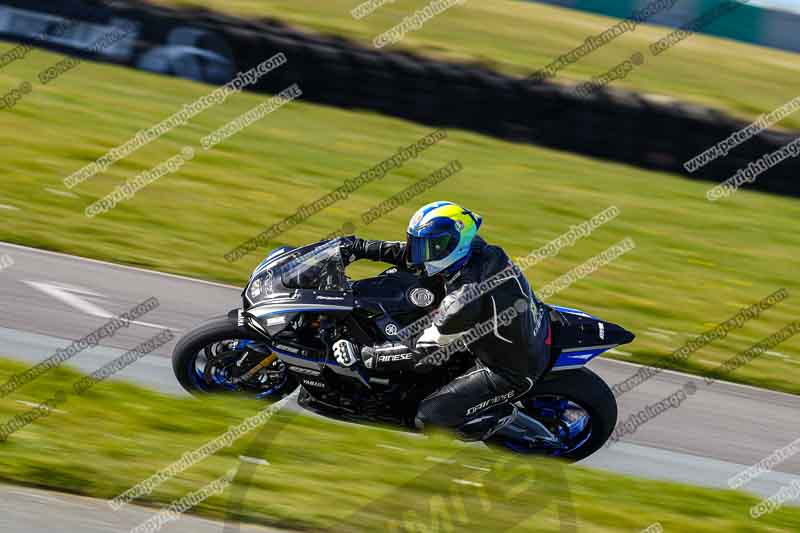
(49, 299)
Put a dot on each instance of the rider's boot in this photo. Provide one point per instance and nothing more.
(506, 422)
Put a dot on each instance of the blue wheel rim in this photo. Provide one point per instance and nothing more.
(196, 373)
(572, 434)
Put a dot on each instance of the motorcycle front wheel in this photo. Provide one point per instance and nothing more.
(218, 356)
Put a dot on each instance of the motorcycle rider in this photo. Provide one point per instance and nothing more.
(442, 241)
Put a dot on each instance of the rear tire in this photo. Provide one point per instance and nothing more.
(587, 389)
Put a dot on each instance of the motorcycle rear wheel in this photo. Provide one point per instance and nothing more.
(572, 401)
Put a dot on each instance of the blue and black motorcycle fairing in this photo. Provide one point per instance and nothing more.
(299, 301)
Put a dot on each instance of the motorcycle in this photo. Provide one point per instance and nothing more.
(299, 301)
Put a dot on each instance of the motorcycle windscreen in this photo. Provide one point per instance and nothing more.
(320, 267)
(317, 266)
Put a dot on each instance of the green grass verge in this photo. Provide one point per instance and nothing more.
(695, 264)
(519, 37)
(328, 476)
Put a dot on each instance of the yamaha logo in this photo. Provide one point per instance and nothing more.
(391, 329)
(421, 297)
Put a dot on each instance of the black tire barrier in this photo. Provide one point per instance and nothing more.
(610, 124)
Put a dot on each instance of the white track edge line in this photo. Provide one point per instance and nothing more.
(225, 286)
(699, 377)
(117, 265)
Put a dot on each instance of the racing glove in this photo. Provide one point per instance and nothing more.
(390, 252)
(388, 358)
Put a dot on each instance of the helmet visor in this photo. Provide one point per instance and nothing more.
(431, 247)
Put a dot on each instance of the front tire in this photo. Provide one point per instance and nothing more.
(197, 343)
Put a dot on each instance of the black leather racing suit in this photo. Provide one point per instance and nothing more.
(509, 358)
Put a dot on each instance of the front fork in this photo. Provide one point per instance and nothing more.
(268, 357)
